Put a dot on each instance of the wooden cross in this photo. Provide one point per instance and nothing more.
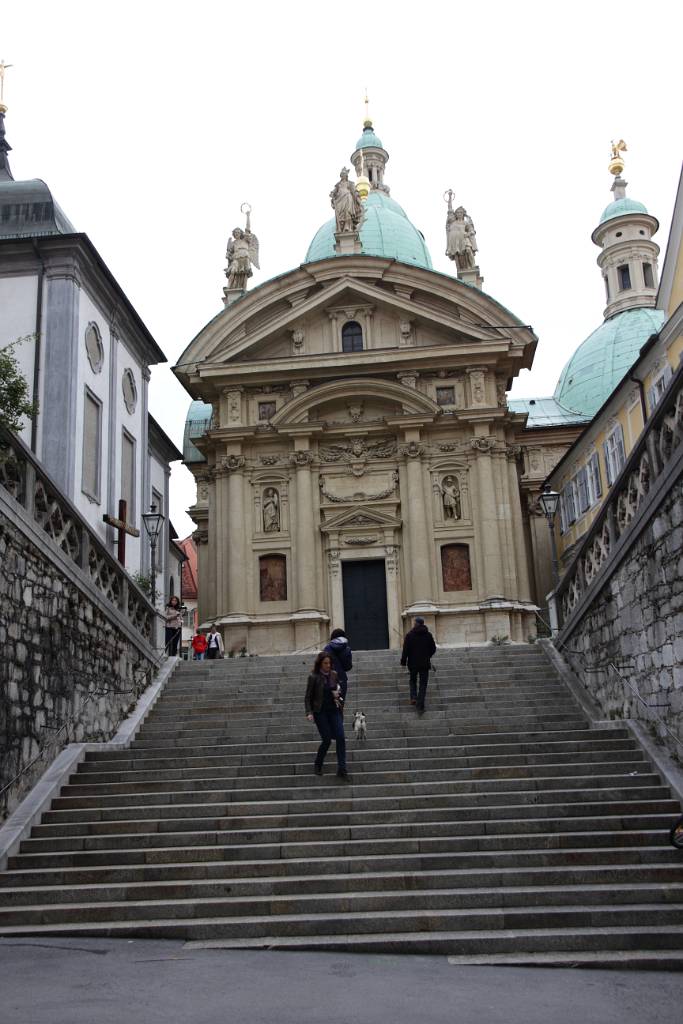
(123, 527)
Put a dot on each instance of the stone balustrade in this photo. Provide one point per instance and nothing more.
(75, 631)
(619, 606)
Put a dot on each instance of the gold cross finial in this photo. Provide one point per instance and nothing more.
(3, 68)
(367, 108)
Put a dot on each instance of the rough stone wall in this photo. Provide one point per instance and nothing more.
(636, 621)
(63, 659)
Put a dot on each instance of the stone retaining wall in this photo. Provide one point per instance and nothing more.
(67, 655)
(635, 620)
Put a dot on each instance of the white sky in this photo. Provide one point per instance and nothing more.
(153, 121)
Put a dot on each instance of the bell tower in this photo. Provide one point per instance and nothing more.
(628, 259)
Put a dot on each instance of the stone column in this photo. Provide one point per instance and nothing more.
(60, 405)
(233, 529)
(518, 529)
(305, 532)
(219, 568)
(485, 509)
(418, 523)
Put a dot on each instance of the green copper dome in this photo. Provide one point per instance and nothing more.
(368, 138)
(385, 231)
(621, 206)
(597, 366)
(197, 422)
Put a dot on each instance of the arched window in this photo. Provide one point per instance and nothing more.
(455, 567)
(273, 577)
(352, 337)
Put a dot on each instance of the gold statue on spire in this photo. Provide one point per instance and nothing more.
(367, 123)
(616, 164)
(3, 68)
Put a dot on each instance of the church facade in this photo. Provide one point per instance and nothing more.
(359, 463)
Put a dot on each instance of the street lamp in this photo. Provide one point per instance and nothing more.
(549, 500)
(153, 521)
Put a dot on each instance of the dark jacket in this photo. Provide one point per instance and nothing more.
(342, 659)
(314, 691)
(418, 647)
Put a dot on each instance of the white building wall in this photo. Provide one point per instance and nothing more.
(18, 319)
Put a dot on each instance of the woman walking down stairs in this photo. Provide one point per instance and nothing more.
(500, 827)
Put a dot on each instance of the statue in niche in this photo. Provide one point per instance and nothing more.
(346, 203)
(450, 497)
(271, 510)
(461, 238)
(242, 253)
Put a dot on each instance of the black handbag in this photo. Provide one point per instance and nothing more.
(676, 834)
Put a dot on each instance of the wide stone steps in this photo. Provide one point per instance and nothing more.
(499, 825)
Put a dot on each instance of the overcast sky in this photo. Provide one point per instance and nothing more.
(153, 121)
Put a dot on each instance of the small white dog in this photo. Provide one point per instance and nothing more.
(360, 726)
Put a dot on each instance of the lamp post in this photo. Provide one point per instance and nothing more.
(549, 501)
(153, 521)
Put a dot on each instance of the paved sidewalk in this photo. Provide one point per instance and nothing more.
(94, 981)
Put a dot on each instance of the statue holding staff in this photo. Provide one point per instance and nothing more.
(346, 203)
(242, 253)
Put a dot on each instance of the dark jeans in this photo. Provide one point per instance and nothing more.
(331, 727)
(172, 638)
(212, 652)
(415, 694)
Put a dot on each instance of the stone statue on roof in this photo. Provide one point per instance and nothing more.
(242, 254)
(348, 210)
(461, 238)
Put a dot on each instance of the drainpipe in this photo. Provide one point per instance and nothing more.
(37, 347)
(641, 392)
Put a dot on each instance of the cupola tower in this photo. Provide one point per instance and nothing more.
(628, 259)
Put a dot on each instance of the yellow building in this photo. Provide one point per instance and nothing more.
(629, 360)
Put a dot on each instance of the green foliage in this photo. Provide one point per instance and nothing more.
(144, 581)
(499, 639)
(14, 391)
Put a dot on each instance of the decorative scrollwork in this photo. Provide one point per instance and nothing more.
(360, 495)
(301, 459)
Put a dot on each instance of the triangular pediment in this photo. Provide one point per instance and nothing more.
(444, 307)
(359, 517)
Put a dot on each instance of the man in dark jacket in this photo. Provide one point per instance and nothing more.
(342, 659)
(418, 648)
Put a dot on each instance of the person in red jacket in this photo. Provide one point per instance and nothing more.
(199, 646)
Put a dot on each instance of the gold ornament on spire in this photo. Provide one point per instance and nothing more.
(3, 68)
(367, 123)
(616, 164)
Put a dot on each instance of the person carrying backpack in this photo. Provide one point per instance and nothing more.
(342, 659)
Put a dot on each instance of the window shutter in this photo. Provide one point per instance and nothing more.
(608, 463)
(594, 473)
(619, 445)
(582, 487)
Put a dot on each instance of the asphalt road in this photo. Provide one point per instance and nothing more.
(93, 981)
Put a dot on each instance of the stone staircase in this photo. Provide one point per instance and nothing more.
(498, 828)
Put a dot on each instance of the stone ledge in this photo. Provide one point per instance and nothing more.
(31, 809)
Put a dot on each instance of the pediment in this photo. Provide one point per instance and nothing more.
(443, 306)
(359, 518)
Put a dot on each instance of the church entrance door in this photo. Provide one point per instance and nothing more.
(365, 604)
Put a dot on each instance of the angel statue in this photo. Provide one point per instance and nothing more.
(241, 254)
(461, 238)
(345, 200)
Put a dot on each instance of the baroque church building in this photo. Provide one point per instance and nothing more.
(356, 458)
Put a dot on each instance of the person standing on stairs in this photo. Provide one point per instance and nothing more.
(174, 625)
(323, 704)
(214, 644)
(418, 648)
(342, 658)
